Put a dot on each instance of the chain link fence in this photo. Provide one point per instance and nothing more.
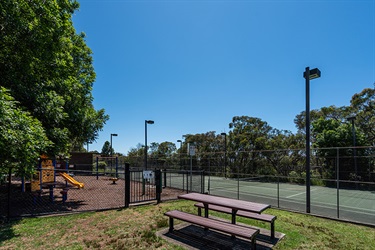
(55, 191)
(342, 182)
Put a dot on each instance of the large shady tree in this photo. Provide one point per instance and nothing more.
(47, 68)
(46, 82)
(22, 137)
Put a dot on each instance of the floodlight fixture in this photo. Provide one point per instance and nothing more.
(313, 73)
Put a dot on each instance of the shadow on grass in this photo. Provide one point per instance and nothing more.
(6, 229)
(195, 237)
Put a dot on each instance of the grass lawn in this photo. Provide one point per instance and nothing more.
(135, 228)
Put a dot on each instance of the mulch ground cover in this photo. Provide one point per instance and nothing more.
(99, 193)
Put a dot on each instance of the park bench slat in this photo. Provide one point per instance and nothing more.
(232, 229)
(262, 217)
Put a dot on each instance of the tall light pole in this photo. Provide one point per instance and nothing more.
(225, 154)
(184, 137)
(352, 118)
(146, 122)
(308, 75)
(180, 141)
(111, 148)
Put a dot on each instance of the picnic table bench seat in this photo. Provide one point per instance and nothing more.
(262, 217)
(225, 227)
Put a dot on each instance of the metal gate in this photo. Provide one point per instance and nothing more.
(141, 185)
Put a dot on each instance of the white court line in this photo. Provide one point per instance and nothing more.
(290, 196)
(331, 206)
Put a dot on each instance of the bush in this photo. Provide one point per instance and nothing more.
(101, 165)
(295, 177)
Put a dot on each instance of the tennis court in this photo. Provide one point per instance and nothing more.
(345, 204)
(353, 205)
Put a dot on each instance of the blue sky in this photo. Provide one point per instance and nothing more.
(192, 65)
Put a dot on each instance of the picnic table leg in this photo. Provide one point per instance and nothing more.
(205, 210)
(253, 243)
(205, 213)
(171, 224)
(234, 212)
(272, 230)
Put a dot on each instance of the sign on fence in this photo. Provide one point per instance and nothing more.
(191, 149)
(148, 174)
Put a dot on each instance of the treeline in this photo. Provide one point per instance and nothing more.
(253, 147)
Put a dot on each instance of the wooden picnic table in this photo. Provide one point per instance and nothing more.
(233, 204)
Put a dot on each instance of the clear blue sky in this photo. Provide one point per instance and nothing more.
(192, 65)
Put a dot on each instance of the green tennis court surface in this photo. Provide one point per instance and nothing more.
(354, 205)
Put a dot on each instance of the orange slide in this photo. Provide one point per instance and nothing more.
(72, 180)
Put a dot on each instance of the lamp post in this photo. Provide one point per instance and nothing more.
(179, 154)
(352, 118)
(191, 148)
(308, 75)
(184, 137)
(111, 148)
(225, 154)
(146, 122)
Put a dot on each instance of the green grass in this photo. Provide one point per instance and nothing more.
(135, 228)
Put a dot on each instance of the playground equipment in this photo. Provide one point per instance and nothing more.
(71, 180)
(113, 179)
(45, 174)
(45, 177)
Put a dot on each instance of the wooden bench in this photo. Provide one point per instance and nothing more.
(262, 217)
(225, 227)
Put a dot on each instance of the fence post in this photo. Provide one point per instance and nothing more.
(238, 182)
(127, 185)
(97, 168)
(116, 167)
(54, 169)
(183, 180)
(9, 191)
(278, 187)
(158, 182)
(165, 177)
(338, 182)
(202, 182)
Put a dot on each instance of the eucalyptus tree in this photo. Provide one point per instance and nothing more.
(209, 149)
(332, 134)
(283, 150)
(135, 156)
(363, 106)
(331, 129)
(166, 154)
(247, 137)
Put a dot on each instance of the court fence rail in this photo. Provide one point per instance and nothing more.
(342, 182)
